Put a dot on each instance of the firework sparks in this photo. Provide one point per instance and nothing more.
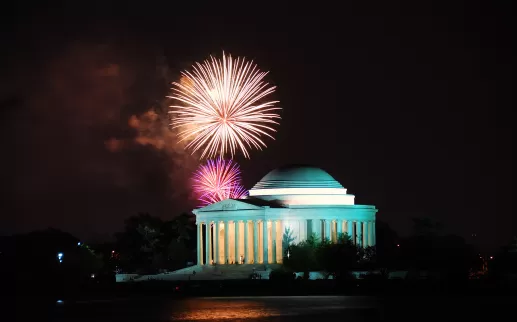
(218, 180)
(222, 107)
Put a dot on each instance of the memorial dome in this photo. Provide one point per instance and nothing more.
(297, 176)
(301, 185)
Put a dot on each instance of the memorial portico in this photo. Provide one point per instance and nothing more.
(287, 206)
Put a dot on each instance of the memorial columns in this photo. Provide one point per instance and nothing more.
(246, 253)
(198, 244)
(374, 234)
(208, 249)
(327, 230)
(350, 229)
(226, 239)
(358, 234)
(365, 234)
(265, 242)
(255, 242)
(216, 241)
(236, 239)
(370, 233)
(273, 242)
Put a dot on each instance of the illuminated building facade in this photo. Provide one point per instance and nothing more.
(286, 206)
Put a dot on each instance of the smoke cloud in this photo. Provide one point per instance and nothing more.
(91, 145)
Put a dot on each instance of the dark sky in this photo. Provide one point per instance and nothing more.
(408, 107)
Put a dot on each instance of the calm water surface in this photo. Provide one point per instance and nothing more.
(289, 308)
(269, 308)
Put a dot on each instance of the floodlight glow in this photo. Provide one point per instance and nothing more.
(298, 191)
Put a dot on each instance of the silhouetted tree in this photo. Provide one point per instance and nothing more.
(317, 255)
(386, 245)
(148, 243)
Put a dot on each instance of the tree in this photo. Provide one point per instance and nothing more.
(287, 240)
(149, 244)
(316, 255)
(339, 258)
(303, 256)
(140, 241)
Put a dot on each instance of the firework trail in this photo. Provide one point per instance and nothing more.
(218, 180)
(222, 107)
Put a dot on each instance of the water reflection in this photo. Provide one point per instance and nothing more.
(212, 309)
(260, 308)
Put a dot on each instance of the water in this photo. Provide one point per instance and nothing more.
(286, 308)
(268, 308)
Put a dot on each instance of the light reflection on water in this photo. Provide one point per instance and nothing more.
(223, 310)
(245, 308)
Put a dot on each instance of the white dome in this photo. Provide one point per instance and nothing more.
(301, 185)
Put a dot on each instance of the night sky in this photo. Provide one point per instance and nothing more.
(408, 107)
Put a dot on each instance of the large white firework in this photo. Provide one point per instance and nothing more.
(223, 107)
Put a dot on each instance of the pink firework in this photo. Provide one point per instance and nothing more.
(218, 180)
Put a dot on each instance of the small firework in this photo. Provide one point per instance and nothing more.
(218, 180)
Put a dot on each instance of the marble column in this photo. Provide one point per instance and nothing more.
(255, 242)
(273, 242)
(207, 243)
(226, 256)
(370, 233)
(246, 253)
(327, 230)
(236, 239)
(365, 233)
(216, 241)
(374, 234)
(339, 227)
(350, 229)
(265, 242)
(198, 236)
(358, 234)
(315, 228)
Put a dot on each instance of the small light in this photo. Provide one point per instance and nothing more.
(398, 245)
(78, 243)
(59, 301)
(491, 257)
(113, 252)
(92, 275)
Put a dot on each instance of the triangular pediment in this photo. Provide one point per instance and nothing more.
(229, 205)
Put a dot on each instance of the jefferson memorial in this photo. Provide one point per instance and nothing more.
(286, 206)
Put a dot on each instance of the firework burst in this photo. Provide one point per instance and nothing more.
(218, 180)
(223, 108)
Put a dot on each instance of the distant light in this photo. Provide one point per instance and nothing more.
(491, 257)
(92, 275)
(78, 243)
(398, 245)
(59, 301)
(113, 252)
(60, 257)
